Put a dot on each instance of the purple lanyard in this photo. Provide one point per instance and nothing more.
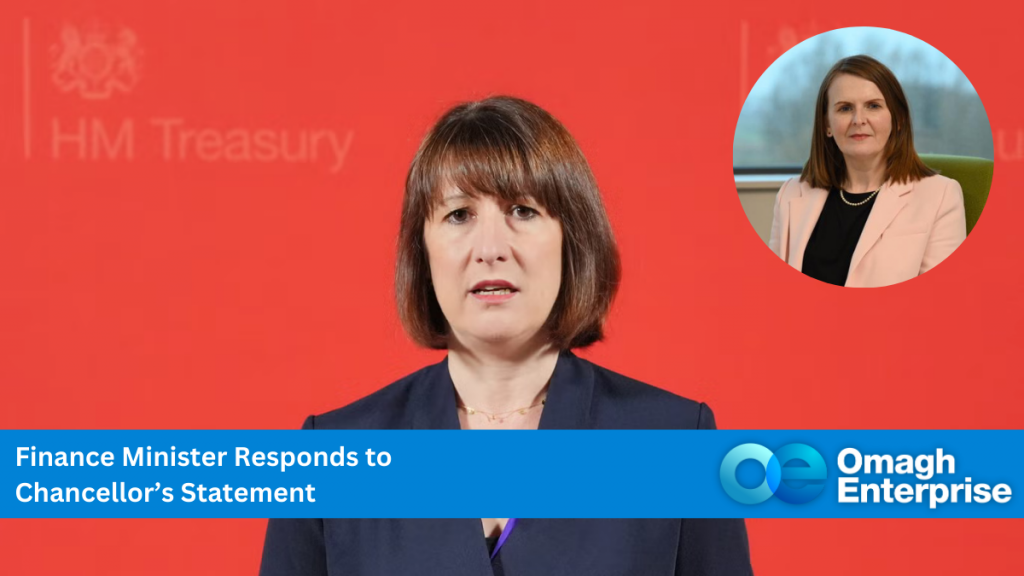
(504, 536)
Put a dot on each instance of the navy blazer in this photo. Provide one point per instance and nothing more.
(581, 395)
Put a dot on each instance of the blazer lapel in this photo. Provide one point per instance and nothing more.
(569, 395)
(433, 401)
(433, 406)
(891, 199)
(803, 215)
(567, 407)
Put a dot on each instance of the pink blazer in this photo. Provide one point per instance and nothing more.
(912, 227)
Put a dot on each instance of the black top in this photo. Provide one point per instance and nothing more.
(581, 395)
(496, 566)
(492, 541)
(835, 236)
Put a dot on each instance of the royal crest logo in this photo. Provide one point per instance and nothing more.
(95, 61)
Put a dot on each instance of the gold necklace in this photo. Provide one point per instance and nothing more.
(861, 203)
(501, 416)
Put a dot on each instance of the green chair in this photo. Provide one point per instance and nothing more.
(974, 176)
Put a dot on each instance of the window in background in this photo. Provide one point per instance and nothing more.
(774, 128)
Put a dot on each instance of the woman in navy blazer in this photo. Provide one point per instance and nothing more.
(507, 260)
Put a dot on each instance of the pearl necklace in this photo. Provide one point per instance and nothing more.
(862, 202)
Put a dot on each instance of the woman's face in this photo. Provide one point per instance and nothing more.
(858, 117)
(496, 266)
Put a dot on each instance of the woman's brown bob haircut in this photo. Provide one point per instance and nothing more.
(826, 167)
(512, 149)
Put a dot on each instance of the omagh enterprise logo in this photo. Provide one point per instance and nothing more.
(784, 476)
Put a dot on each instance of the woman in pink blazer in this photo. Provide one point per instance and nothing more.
(866, 211)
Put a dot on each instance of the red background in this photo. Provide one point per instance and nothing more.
(151, 294)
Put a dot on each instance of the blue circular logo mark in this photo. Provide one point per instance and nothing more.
(807, 481)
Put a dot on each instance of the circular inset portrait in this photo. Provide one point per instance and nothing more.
(863, 157)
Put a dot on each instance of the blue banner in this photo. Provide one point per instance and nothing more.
(541, 474)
